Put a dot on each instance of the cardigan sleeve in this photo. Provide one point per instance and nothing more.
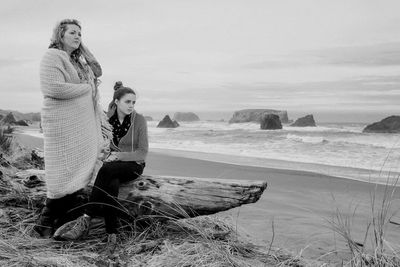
(53, 81)
(140, 153)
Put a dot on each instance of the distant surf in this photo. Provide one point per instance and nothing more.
(337, 149)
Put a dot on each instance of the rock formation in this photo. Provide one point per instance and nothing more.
(148, 118)
(186, 116)
(255, 115)
(270, 122)
(21, 123)
(388, 125)
(166, 122)
(305, 121)
(9, 119)
(21, 116)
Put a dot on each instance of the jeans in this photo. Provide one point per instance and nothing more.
(106, 189)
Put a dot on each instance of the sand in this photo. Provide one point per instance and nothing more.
(299, 204)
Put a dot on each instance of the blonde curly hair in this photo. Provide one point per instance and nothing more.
(58, 33)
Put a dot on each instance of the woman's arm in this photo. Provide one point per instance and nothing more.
(52, 79)
(91, 60)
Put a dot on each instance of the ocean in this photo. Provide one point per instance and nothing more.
(336, 149)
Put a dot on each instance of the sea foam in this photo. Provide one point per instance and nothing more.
(335, 149)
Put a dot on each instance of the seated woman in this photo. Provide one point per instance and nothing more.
(125, 163)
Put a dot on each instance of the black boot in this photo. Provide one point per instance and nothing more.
(44, 227)
(73, 206)
(55, 213)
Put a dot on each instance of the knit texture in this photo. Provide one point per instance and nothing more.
(70, 126)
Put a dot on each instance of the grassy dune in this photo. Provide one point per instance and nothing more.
(202, 241)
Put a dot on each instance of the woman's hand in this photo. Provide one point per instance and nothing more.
(104, 153)
(91, 60)
(85, 52)
(113, 156)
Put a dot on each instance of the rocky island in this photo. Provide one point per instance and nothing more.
(255, 115)
(186, 116)
(390, 124)
(306, 121)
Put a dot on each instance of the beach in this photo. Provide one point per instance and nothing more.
(298, 204)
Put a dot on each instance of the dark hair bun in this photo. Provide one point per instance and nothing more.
(118, 85)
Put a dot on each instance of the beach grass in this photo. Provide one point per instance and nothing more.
(373, 249)
(6, 140)
(203, 241)
(200, 241)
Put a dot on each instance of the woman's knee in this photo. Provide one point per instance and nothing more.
(103, 174)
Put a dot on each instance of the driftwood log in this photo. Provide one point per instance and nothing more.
(156, 196)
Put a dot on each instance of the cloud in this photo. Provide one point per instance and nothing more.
(376, 55)
(358, 93)
(14, 62)
(223, 55)
(384, 54)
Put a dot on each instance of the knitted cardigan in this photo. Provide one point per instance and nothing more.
(134, 145)
(70, 126)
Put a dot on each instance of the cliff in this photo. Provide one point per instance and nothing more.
(255, 115)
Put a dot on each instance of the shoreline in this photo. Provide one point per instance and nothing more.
(382, 177)
(276, 165)
(298, 203)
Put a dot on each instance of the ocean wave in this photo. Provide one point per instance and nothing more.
(323, 129)
(306, 139)
(255, 127)
(368, 140)
(340, 148)
(32, 132)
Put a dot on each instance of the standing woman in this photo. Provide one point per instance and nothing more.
(125, 163)
(71, 121)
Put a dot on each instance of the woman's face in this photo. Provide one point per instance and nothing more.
(125, 104)
(72, 38)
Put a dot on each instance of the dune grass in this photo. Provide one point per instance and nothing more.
(200, 241)
(373, 249)
(5, 140)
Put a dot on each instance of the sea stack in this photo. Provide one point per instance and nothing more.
(255, 115)
(22, 123)
(388, 125)
(166, 122)
(306, 121)
(270, 122)
(186, 116)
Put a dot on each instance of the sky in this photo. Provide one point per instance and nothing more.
(303, 56)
